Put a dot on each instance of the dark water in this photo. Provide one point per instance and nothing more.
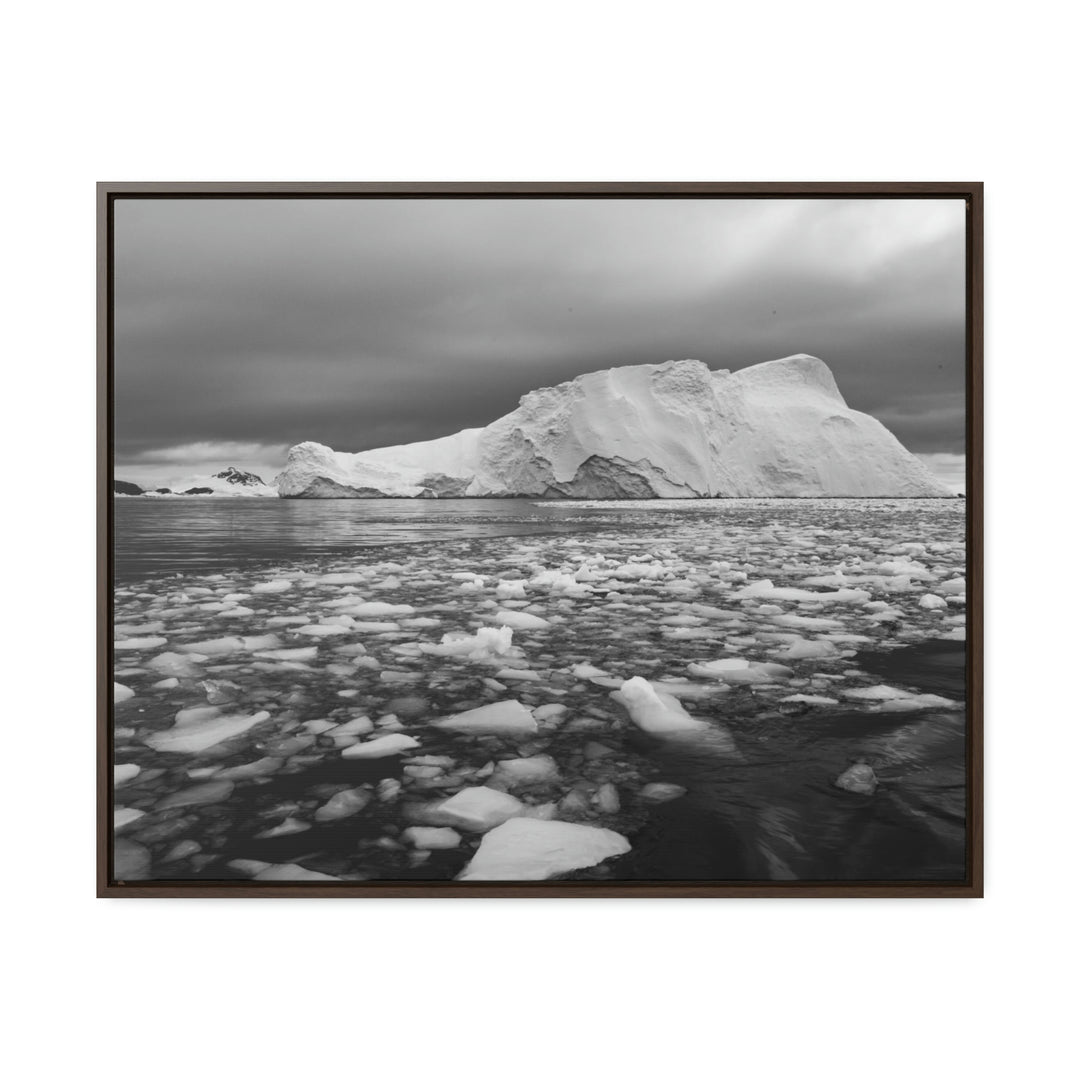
(773, 812)
(171, 536)
(767, 810)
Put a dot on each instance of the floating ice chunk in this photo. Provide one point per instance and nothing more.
(731, 663)
(876, 693)
(808, 650)
(500, 718)
(431, 839)
(195, 736)
(344, 804)
(557, 581)
(289, 826)
(521, 674)
(291, 872)
(125, 815)
(326, 630)
(525, 849)
(277, 585)
(953, 587)
(607, 799)
(175, 665)
(377, 607)
(213, 647)
(302, 654)
(811, 699)
(511, 590)
(486, 643)
(123, 773)
(659, 792)
(736, 670)
(654, 711)
(358, 725)
(859, 779)
(477, 809)
(288, 620)
(182, 849)
(342, 579)
(213, 791)
(549, 712)
(139, 643)
(419, 623)
(521, 772)
(919, 701)
(520, 620)
(121, 693)
(196, 715)
(263, 641)
(166, 684)
(932, 602)
(384, 746)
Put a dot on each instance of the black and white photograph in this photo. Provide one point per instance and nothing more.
(601, 539)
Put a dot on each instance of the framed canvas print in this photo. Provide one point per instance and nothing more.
(540, 540)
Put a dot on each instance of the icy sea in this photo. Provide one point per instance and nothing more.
(368, 690)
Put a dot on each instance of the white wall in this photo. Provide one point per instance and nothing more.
(673, 91)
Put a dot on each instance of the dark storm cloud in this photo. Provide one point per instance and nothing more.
(364, 323)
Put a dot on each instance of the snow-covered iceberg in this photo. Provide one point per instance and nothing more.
(674, 430)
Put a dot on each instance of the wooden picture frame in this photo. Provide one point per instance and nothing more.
(972, 196)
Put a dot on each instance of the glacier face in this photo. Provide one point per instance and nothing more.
(674, 430)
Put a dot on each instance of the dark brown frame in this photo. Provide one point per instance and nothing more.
(972, 193)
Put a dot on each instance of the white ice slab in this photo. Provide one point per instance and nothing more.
(525, 849)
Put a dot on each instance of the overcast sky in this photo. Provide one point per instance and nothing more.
(243, 326)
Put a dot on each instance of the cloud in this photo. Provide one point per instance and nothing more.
(950, 469)
(195, 453)
(184, 465)
(360, 323)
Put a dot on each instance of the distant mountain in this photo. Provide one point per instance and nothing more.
(123, 487)
(230, 481)
(232, 475)
(674, 430)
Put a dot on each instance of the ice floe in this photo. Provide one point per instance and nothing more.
(858, 779)
(499, 718)
(431, 838)
(653, 711)
(476, 809)
(383, 746)
(489, 642)
(192, 737)
(139, 643)
(524, 849)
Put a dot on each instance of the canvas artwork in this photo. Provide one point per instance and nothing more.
(594, 541)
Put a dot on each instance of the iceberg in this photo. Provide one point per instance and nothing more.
(674, 431)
